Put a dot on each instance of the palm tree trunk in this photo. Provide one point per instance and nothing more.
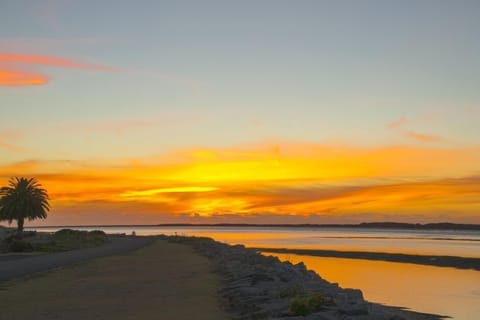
(20, 223)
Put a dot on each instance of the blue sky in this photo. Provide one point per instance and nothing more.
(232, 96)
(233, 72)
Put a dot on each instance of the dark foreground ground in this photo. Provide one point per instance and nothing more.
(160, 281)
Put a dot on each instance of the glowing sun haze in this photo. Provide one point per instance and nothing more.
(244, 112)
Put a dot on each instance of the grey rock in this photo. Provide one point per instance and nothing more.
(261, 287)
(323, 315)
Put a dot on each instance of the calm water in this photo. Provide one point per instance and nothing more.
(445, 291)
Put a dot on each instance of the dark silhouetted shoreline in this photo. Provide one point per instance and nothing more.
(439, 261)
(363, 225)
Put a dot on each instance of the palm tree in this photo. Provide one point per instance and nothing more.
(23, 199)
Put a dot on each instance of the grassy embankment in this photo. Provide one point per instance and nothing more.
(62, 240)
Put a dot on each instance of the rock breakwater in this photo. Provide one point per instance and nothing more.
(262, 287)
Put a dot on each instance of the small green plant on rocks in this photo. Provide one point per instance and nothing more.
(304, 305)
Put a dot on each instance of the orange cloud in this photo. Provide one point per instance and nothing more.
(15, 69)
(151, 192)
(422, 137)
(399, 183)
(11, 137)
(398, 126)
(9, 147)
(398, 123)
(51, 61)
(21, 78)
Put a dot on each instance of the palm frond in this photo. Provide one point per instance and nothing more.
(23, 199)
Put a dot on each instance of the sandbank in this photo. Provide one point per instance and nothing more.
(431, 260)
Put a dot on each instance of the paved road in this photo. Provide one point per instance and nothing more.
(19, 266)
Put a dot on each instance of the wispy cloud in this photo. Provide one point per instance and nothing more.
(17, 70)
(9, 139)
(399, 126)
(397, 123)
(15, 76)
(52, 61)
(10, 147)
(151, 192)
(423, 137)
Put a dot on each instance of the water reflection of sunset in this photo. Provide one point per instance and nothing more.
(444, 291)
(346, 241)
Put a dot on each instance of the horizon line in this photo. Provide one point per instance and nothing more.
(391, 225)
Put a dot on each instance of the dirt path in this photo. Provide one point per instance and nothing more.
(160, 281)
(20, 265)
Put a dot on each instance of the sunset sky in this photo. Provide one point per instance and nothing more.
(243, 111)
